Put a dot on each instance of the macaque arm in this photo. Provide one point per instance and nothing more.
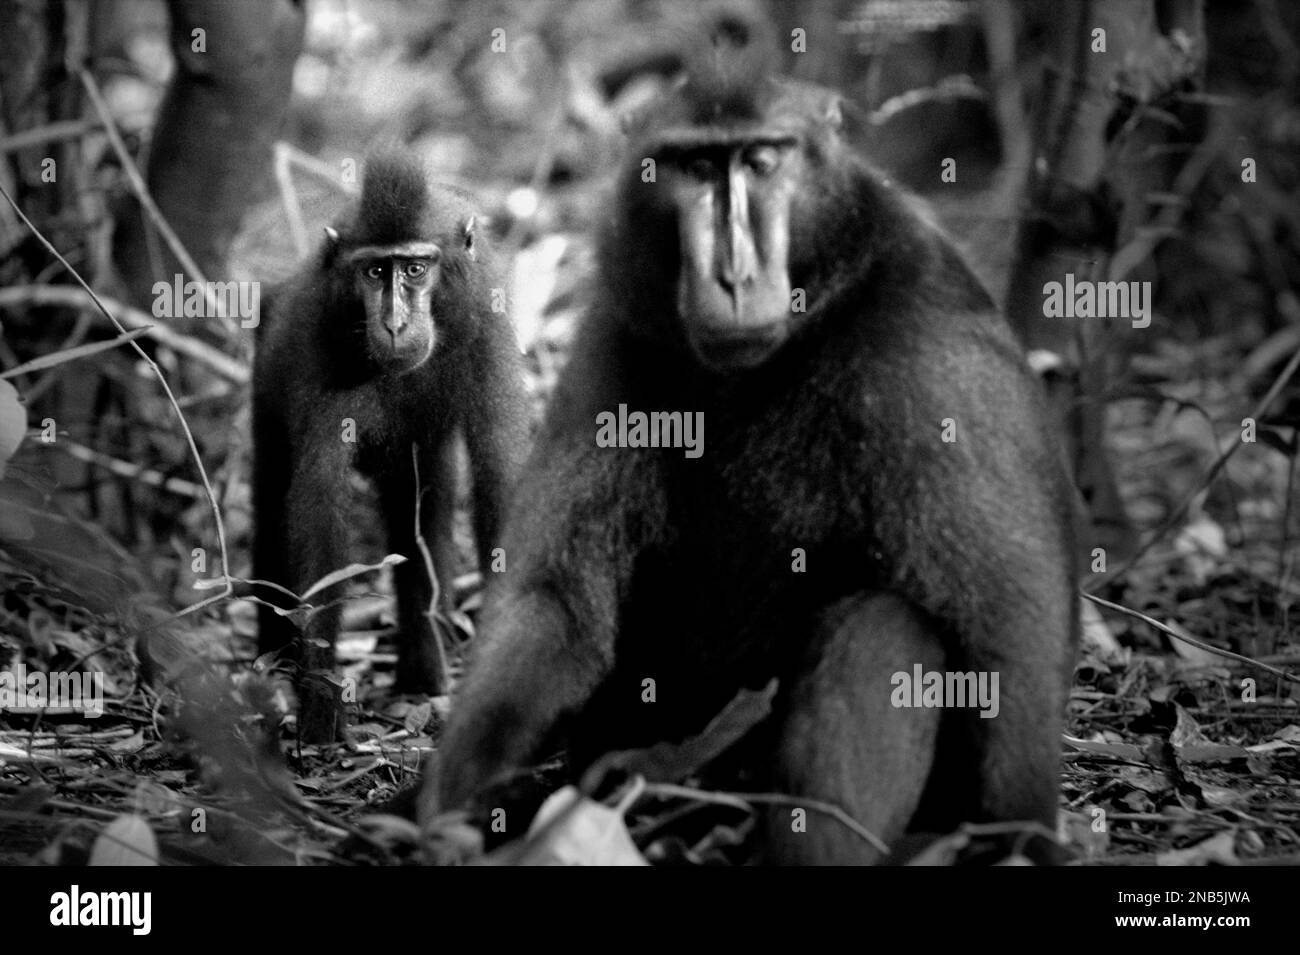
(550, 621)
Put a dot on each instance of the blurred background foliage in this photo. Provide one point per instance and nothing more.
(534, 130)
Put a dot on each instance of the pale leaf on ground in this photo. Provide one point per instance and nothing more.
(127, 840)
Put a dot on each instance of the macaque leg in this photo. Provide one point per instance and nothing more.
(272, 469)
(421, 666)
(316, 533)
(843, 741)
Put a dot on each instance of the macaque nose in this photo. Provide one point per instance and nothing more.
(734, 279)
(398, 316)
(735, 268)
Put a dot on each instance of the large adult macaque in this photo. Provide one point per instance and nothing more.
(382, 352)
(877, 492)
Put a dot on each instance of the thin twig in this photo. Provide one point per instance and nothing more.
(68, 355)
(80, 329)
(1192, 641)
(126, 469)
(434, 613)
(739, 800)
(948, 88)
(49, 133)
(68, 296)
(309, 163)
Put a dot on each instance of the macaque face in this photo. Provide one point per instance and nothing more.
(732, 205)
(396, 288)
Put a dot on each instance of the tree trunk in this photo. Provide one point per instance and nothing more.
(210, 154)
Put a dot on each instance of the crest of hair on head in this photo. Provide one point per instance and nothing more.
(394, 193)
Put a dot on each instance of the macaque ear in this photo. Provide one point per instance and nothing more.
(833, 115)
(469, 235)
(331, 245)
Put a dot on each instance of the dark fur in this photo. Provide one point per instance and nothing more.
(313, 369)
(630, 564)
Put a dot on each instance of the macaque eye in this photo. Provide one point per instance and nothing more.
(415, 270)
(375, 272)
(762, 160)
(700, 168)
(697, 167)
